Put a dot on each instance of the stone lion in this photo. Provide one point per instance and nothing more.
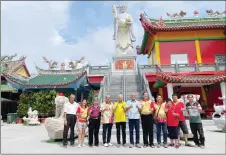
(55, 125)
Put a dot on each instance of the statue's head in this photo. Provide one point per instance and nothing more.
(122, 8)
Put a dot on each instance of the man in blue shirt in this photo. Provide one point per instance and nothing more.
(133, 111)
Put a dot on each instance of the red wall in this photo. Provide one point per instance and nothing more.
(95, 79)
(213, 94)
(209, 48)
(183, 47)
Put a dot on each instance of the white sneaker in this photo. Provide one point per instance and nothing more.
(109, 144)
(83, 145)
(106, 145)
(79, 145)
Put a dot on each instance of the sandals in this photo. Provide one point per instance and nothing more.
(171, 145)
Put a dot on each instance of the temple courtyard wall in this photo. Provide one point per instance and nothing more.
(16, 138)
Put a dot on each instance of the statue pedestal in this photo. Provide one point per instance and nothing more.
(127, 63)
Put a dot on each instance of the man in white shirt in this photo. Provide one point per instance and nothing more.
(70, 110)
(133, 111)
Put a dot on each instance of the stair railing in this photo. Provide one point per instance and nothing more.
(144, 82)
(124, 84)
(104, 85)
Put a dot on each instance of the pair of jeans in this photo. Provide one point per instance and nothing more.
(147, 125)
(94, 126)
(119, 126)
(107, 131)
(71, 121)
(197, 128)
(161, 127)
(134, 124)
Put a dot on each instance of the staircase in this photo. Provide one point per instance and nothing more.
(115, 87)
(132, 86)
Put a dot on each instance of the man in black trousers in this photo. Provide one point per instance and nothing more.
(70, 110)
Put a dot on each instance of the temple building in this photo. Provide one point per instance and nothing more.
(9, 94)
(185, 55)
(189, 53)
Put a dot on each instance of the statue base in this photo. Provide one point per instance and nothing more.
(121, 63)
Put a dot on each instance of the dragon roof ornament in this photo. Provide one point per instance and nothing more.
(72, 65)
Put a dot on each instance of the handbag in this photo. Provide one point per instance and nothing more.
(155, 119)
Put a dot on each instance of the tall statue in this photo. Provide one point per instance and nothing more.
(123, 31)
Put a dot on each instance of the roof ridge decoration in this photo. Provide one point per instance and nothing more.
(8, 57)
(212, 13)
(52, 64)
(73, 65)
(152, 25)
(181, 14)
(74, 71)
(9, 65)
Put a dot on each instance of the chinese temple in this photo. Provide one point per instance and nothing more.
(185, 55)
(9, 94)
(72, 80)
(189, 54)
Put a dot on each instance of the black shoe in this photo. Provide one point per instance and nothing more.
(64, 144)
(72, 143)
(97, 145)
(90, 145)
(152, 145)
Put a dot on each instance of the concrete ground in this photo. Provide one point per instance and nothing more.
(17, 138)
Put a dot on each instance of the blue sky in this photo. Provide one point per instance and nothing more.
(64, 31)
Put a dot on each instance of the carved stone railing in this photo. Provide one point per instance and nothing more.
(175, 68)
(104, 85)
(124, 85)
(144, 82)
(98, 70)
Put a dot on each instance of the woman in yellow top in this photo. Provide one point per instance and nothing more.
(161, 124)
(119, 110)
(82, 114)
(147, 108)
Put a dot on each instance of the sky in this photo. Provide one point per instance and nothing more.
(63, 31)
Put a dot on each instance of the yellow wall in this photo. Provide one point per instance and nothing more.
(22, 71)
(189, 34)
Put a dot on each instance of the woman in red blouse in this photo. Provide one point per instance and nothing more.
(172, 122)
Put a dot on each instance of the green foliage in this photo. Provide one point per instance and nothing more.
(42, 101)
(91, 97)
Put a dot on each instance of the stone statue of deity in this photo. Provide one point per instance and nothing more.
(123, 31)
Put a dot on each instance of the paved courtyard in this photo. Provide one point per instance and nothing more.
(17, 138)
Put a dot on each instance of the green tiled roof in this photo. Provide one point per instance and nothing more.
(52, 79)
(150, 24)
(6, 88)
(48, 79)
(193, 22)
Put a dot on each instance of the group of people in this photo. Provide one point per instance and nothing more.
(168, 117)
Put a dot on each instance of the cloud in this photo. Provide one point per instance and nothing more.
(33, 29)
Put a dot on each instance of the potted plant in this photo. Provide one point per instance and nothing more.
(21, 112)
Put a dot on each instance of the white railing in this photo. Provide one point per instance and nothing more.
(196, 67)
(124, 85)
(104, 86)
(144, 82)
